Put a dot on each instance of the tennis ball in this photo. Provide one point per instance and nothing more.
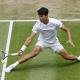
(2, 61)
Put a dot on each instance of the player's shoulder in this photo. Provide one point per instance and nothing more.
(53, 20)
(38, 21)
(37, 24)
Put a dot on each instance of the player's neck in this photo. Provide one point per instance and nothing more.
(46, 21)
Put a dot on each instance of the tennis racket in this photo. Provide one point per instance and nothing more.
(3, 55)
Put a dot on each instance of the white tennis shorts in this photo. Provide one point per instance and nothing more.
(55, 47)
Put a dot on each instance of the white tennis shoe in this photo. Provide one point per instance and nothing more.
(78, 58)
(10, 68)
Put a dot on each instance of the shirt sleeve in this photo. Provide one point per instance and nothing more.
(35, 28)
(59, 24)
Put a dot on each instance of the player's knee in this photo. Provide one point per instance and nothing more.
(65, 56)
(36, 50)
(68, 57)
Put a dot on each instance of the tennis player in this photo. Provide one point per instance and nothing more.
(47, 29)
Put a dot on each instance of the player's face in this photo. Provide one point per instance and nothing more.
(43, 18)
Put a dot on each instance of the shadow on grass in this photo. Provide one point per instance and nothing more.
(44, 66)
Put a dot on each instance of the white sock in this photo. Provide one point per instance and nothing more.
(8, 69)
(15, 64)
(78, 58)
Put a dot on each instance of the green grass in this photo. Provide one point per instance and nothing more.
(47, 65)
(3, 34)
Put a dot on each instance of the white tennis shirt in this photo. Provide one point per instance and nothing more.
(48, 32)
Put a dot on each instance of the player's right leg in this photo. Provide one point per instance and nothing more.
(35, 51)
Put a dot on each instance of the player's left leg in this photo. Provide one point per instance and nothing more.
(66, 55)
(57, 47)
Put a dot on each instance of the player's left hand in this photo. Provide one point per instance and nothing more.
(70, 42)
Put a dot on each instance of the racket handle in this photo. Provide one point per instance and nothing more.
(14, 54)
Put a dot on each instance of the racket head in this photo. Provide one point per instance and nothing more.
(2, 61)
(2, 55)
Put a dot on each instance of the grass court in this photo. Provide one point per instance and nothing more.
(47, 65)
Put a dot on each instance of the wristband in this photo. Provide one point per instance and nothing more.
(23, 48)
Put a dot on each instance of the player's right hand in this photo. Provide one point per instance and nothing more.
(20, 53)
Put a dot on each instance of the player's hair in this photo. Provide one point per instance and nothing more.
(43, 11)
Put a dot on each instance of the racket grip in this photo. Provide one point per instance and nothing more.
(14, 54)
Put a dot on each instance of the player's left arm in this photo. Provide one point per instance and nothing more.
(64, 28)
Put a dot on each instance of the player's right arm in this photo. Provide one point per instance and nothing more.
(35, 29)
(29, 39)
(26, 43)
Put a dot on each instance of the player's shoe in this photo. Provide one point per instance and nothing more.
(10, 68)
(78, 58)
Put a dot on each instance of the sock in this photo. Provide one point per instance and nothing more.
(15, 64)
(78, 58)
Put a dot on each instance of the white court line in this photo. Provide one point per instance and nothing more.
(7, 49)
